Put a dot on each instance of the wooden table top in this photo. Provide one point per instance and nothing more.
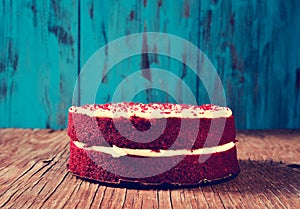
(33, 174)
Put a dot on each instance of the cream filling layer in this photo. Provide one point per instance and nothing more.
(155, 110)
(119, 152)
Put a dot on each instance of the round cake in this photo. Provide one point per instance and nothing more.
(152, 144)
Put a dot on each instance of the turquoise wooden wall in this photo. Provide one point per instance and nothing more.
(254, 45)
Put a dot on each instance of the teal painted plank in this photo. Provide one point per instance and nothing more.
(38, 62)
(261, 78)
(133, 17)
(254, 47)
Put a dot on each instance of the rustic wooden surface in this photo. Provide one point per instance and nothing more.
(33, 174)
(254, 46)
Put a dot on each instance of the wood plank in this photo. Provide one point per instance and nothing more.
(38, 62)
(140, 17)
(164, 199)
(249, 37)
(37, 177)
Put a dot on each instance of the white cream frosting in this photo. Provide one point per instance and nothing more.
(118, 152)
(154, 110)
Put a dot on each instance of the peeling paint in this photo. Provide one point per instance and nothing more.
(159, 3)
(145, 60)
(3, 90)
(232, 20)
(186, 11)
(298, 79)
(91, 11)
(13, 57)
(2, 67)
(131, 15)
(62, 34)
(34, 11)
(236, 61)
(56, 7)
(208, 21)
(155, 56)
(184, 70)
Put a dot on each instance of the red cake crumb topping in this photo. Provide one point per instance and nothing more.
(163, 110)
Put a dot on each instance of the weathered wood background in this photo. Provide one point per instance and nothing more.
(254, 45)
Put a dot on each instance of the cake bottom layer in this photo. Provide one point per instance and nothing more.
(177, 170)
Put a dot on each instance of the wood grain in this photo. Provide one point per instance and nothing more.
(33, 174)
(252, 44)
(38, 62)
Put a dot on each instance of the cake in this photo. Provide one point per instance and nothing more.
(152, 144)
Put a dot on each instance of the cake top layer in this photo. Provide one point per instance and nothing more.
(153, 110)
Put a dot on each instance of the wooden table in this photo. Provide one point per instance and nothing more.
(33, 174)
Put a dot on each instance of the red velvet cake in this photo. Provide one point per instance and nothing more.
(152, 144)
